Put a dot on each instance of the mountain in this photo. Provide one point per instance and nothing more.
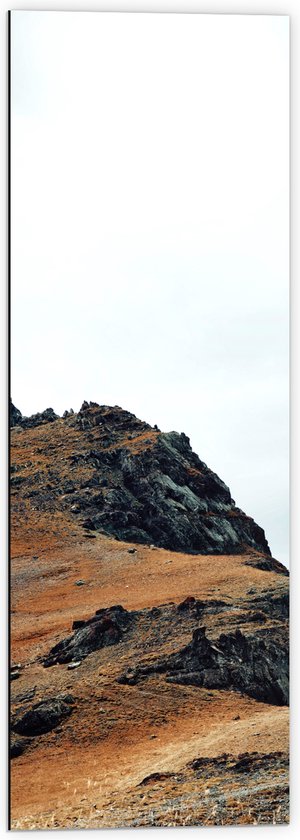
(147, 611)
(124, 478)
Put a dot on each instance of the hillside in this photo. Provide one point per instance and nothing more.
(120, 477)
(146, 610)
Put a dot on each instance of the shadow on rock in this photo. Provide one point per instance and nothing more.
(105, 628)
(254, 665)
(44, 716)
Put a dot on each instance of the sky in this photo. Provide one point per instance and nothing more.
(150, 232)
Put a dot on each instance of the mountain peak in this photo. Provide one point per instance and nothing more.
(120, 476)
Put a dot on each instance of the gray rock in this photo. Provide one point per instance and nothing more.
(15, 415)
(18, 746)
(43, 717)
(257, 665)
(105, 628)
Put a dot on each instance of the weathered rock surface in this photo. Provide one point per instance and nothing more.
(39, 419)
(254, 664)
(267, 564)
(15, 415)
(135, 483)
(43, 716)
(18, 746)
(105, 628)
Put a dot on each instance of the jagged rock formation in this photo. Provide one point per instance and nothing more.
(15, 415)
(254, 663)
(128, 480)
(39, 419)
(106, 627)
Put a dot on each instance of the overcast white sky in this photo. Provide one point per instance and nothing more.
(150, 232)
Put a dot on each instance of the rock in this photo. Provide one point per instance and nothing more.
(89, 524)
(132, 551)
(190, 604)
(254, 665)
(25, 696)
(256, 615)
(267, 564)
(73, 665)
(43, 717)
(68, 698)
(18, 746)
(39, 419)
(15, 415)
(105, 628)
(273, 606)
(187, 604)
(158, 494)
(168, 498)
(15, 671)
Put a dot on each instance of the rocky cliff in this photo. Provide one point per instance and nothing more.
(122, 477)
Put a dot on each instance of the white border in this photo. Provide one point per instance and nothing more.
(291, 7)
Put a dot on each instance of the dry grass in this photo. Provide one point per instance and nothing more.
(81, 776)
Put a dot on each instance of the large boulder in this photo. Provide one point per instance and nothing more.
(105, 628)
(44, 716)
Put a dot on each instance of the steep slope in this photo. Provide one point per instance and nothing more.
(181, 657)
(121, 477)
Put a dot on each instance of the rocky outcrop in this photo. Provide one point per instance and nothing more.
(257, 665)
(15, 415)
(44, 716)
(39, 419)
(105, 628)
(267, 564)
(172, 499)
(254, 661)
(18, 746)
(137, 484)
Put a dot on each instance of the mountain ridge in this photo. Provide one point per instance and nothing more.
(133, 482)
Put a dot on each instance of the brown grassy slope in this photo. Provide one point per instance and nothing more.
(88, 771)
(187, 722)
